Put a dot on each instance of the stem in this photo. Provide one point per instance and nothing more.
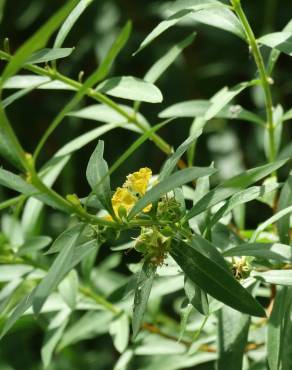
(11, 202)
(96, 95)
(100, 300)
(69, 207)
(262, 73)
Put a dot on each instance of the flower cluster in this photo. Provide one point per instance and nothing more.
(132, 190)
(153, 243)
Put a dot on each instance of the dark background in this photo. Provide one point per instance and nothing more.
(215, 59)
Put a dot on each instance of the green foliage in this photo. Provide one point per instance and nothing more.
(111, 261)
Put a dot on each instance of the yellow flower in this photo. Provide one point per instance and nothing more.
(123, 198)
(137, 182)
(134, 188)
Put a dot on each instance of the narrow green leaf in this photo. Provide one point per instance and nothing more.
(93, 79)
(14, 182)
(19, 94)
(142, 292)
(96, 171)
(19, 310)
(275, 251)
(28, 81)
(163, 26)
(214, 279)
(34, 244)
(198, 108)
(278, 277)
(167, 59)
(132, 88)
(119, 330)
(233, 329)
(281, 41)
(276, 217)
(103, 113)
(37, 41)
(118, 45)
(84, 139)
(65, 238)
(47, 55)
(171, 162)
(222, 18)
(275, 53)
(242, 197)
(175, 18)
(82, 251)
(57, 271)
(70, 21)
(90, 325)
(53, 335)
(232, 186)
(33, 207)
(68, 289)
(170, 183)
(276, 329)
(10, 147)
(285, 200)
(209, 250)
(196, 296)
(223, 97)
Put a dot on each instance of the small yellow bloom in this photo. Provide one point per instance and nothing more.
(134, 188)
(137, 182)
(123, 198)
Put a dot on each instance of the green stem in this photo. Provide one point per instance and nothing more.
(69, 207)
(262, 73)
(99, 300)
(96, 95)
(12, 202)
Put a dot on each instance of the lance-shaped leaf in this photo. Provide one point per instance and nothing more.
(170, 183)
(47, 55)
(232, 186)
(167, 59)
(176, 17)
(281, 41)
(37, 41)
(277, 216)
(285, 200)
(276, 327)
(132, 88)
(220, 17)
(242, 197)
(33, 207)
(58, 270)
(214, 279)
(223, 97)
(70, 21)
(275, 251)
(278, 277)
(14, 182)
(10, 147)
(233, 329)
(96, 171)
(93, 79)
(142, 292)
(53, 335)
(171, 162)
(196, 296)
(198, 108)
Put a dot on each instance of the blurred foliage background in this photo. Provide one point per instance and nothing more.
(215, 59)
